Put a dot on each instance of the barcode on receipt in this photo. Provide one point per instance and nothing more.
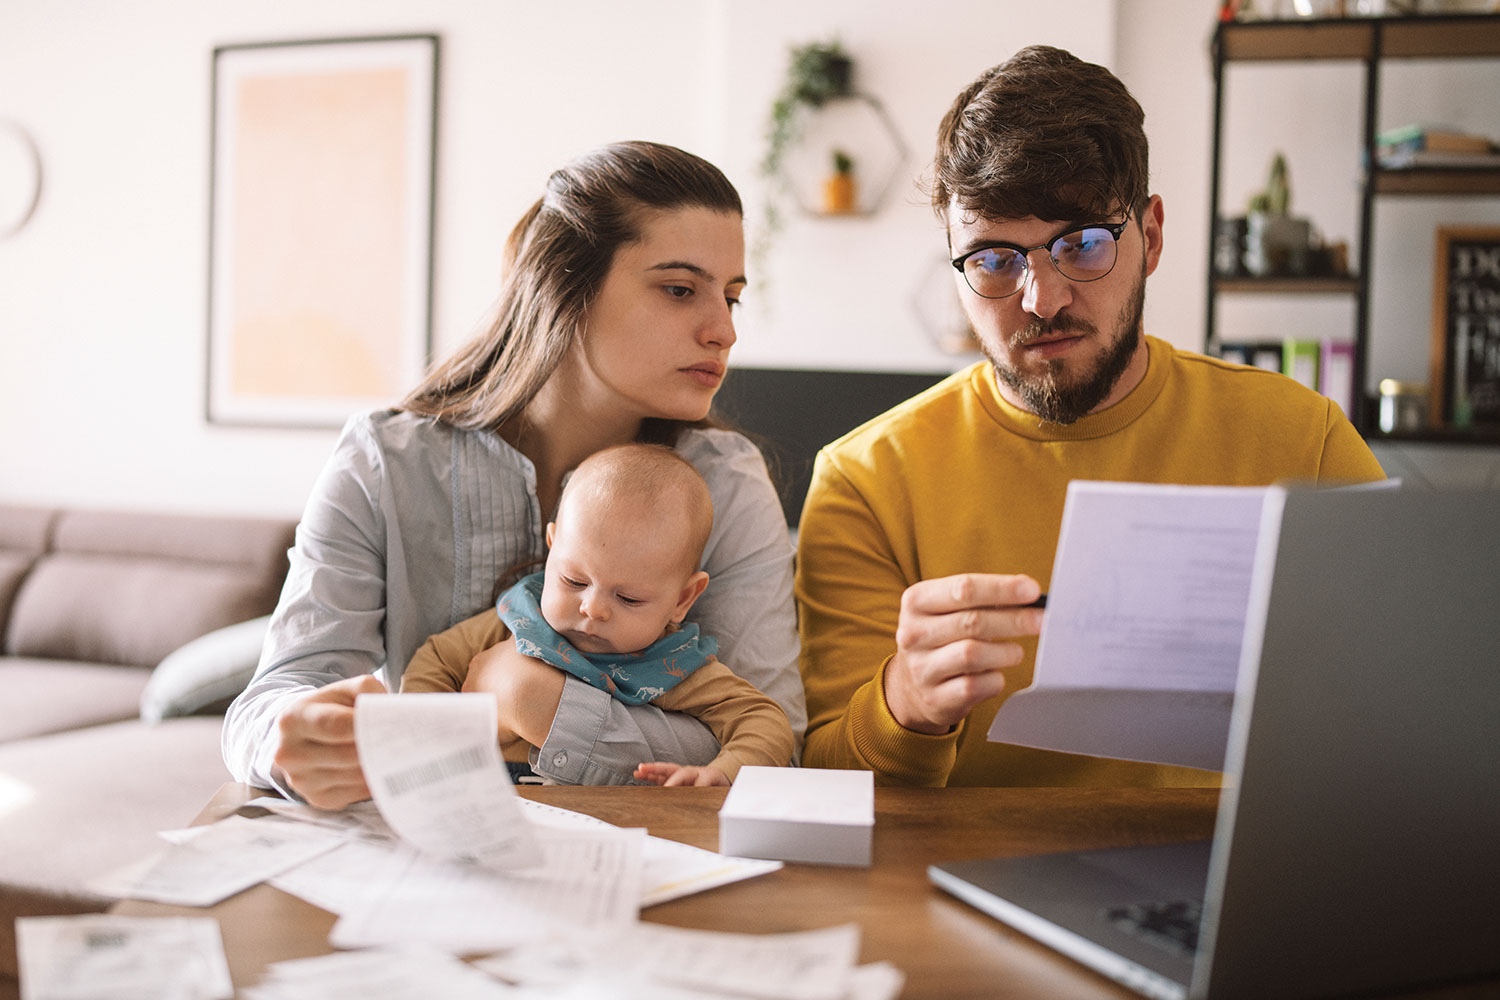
(467, 759)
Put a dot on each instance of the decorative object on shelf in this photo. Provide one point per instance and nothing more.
(839, 186)
(1276, 242)
(320, 234)
(1465, 355)
(817, 118)
(20, 177)
(1403, 406)
(939, 312)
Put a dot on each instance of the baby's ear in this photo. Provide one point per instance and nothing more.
(691, 591)
(551, 527)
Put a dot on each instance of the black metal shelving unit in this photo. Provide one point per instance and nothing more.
(1370, 41)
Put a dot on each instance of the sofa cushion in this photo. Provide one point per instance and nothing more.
(50, 696)
(79, 804)
(130, 588)
(206, 674)
(24, 534)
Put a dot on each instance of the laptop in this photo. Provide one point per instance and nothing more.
(1357, 846)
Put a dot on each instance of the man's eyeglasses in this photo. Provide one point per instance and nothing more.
(1084, 254)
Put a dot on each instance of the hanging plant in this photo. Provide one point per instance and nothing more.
(816, 73)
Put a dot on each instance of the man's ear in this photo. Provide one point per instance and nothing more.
(1151, 229)
(691, 591)
(551, 527)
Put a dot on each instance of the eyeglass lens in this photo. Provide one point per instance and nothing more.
(1083, 255)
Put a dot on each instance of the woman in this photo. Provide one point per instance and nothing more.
(614, 324)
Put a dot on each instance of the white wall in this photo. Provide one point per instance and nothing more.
(103, 295)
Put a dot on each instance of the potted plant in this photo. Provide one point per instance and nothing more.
(1276, 243)
(839, 188)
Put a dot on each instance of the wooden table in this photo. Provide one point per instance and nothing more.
(946, 948)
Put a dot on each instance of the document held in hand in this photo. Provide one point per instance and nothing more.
(1140, 647)
(436, 774)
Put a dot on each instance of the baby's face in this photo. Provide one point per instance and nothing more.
(609, 589)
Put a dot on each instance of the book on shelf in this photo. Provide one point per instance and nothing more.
(1433, 146)
(1433, 139)
(1299, 360)
(1336, 374)
(1265, 355)
(1408, 159)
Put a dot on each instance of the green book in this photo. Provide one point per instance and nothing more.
(1299, 360)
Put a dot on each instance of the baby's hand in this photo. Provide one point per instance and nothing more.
(668, 775)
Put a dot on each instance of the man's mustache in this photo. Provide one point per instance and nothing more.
(1039, 329)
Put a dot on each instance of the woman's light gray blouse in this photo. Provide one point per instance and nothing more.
(410, 526)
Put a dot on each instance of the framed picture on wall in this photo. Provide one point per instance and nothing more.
(1465, 358)
(320, 233)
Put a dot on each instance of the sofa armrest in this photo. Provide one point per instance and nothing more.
(205, 674)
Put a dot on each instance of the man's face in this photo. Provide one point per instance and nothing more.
(1061, 348)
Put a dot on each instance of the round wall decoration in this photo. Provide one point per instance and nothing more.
(20, 177)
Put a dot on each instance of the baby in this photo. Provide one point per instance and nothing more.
(620, 577)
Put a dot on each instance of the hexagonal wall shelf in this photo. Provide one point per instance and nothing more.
(857, 127)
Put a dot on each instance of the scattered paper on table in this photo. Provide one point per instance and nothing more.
(654, 962)
(219, 860)
(590, 880)
(124, 958)
(378, 974)
(434, 769)
(673, 870)
(670, 869)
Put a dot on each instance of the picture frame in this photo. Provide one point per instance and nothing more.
(322, 172)
(1465, 349)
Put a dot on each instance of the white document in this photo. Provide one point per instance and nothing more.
(124, 958)
(348, 877)
(395, 974)
(590, 880)
(656, 961)
(434, 768)
(1140, 646)
(217, 861)
(669, 869)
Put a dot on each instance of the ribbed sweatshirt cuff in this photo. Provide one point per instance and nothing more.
(897, 755)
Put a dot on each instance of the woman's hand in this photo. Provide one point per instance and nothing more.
(670, 775)
(527, 691)
(951, 643)
(317, 758)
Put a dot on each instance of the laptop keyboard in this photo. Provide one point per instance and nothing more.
(1171, 925)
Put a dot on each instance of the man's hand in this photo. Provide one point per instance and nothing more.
(317, 755)
(670, 775)
(951, 641)
(527, 691)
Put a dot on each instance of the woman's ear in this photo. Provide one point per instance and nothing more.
(551, 527)
(691, 591)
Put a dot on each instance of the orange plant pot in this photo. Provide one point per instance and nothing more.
(838, 194)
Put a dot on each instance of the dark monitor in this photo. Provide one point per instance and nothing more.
(791, 413)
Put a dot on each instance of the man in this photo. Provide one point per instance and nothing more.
(928, 530)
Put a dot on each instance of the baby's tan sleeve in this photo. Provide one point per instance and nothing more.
(443, 661)
(750, 727)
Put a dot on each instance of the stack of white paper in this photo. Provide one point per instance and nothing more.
(816, 815)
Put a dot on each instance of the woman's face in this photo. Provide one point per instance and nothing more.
(657, 337)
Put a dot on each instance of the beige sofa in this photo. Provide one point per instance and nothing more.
(123, 635)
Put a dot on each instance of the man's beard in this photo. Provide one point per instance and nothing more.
(1062, 401)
